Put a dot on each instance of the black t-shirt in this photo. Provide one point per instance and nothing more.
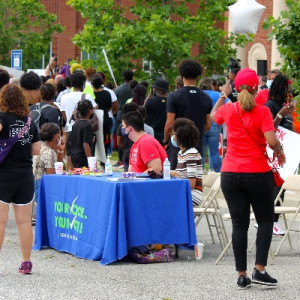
(156, 110)
(48, 114)
(19, 159)
(191, 103)
(82, 132)
(103, 99)
(287, 121)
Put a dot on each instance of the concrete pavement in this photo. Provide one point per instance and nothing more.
(59, 275)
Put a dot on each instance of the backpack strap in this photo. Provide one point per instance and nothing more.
(46, 105)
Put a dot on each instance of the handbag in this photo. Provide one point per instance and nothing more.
(7, 144)
(278, 180)
(143, 255)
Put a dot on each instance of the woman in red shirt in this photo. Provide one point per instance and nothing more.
(246, 177)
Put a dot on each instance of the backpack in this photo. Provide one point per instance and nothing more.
(36, 113)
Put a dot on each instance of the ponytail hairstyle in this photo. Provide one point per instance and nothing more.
(246, 98)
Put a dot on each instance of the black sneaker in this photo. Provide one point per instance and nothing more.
(244, 282)
(263, 279)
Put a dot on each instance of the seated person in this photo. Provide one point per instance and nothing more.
(52, 150)
(146, 154)
(123, 142)
(185, 135)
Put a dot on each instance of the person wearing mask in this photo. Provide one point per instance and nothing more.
(16, 175)
(185, 135)
(246, 177)
(263, 96)
(146, 154)
(156, 108)
(123, 142)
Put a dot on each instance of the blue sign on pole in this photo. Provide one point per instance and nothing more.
(16, 59)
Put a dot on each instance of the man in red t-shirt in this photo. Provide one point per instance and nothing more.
(146, 153)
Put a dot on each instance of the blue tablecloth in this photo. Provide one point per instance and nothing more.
(94, 218)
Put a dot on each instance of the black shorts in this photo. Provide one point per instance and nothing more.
(18, 191)
(79, 161)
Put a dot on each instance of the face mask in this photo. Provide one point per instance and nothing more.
(124, 133)
(174, 143)
(269, 83)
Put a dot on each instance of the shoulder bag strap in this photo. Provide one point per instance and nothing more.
(25, 128)
(264, 153)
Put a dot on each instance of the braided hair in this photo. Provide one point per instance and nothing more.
(279, 89)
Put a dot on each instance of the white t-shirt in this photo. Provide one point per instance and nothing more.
(68, 105)
(113, 99)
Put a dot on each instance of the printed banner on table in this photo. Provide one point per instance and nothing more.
(291, 146)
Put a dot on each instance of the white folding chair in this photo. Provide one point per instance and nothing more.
(209, 207)
(252, 218)
(291, 183)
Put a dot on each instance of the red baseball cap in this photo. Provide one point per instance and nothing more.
(246, 77)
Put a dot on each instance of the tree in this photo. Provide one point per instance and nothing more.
(28, 26)
(159, 31)
(286, 30)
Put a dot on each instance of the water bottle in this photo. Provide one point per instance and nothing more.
(108, 166)
(166, 169)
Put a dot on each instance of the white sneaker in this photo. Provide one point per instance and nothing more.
(256, 225)
(277, 230)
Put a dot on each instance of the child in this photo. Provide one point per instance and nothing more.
(185, 135)
(81, 140)
(51, 152)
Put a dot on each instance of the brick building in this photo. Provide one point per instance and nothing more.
(259, 49)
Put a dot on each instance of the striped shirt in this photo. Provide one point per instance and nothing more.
(190, 166)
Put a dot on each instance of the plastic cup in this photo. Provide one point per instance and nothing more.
(199, 251)
(59, 168)
(92, 162)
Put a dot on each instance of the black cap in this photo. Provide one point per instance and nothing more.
(161, 84)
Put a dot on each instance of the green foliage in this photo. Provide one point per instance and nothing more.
(161, 31)
(286, 30)
(28, 26)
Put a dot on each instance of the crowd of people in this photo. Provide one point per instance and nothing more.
(146, 127)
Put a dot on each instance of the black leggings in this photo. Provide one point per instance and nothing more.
(240, 191)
